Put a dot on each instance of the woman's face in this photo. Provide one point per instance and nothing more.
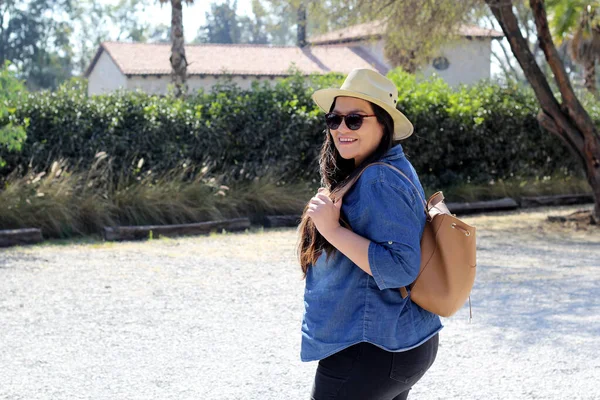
(360, 143)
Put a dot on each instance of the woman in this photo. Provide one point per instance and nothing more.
(370, 342)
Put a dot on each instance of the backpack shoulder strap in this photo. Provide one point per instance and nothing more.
(347, 187)
(408, 179)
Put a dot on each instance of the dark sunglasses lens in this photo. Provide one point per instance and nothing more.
(353, 121)
(333, 121)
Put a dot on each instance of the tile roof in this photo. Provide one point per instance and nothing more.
(376, 28)
(215, 59)
(477, 31)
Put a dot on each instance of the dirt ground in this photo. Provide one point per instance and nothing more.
(218, 317)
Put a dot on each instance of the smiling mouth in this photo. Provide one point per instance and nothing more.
(347, 140)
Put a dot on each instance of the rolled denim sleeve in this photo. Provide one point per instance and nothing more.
(394, 226)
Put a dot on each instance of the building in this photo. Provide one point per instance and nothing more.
(145, 66)
(465, 60)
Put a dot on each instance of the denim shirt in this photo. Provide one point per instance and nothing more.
(343, 305)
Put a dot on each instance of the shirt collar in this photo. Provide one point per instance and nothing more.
(393, 153)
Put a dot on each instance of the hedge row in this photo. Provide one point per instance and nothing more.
(473, 134)
(11, 90)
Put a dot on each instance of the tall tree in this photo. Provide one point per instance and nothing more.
(178, 60)
(95, 21)
(36, 40)
(49, 41)
(223, 25)
(502, 54)
(301, 25)
(157, 34)
(279, 18)
(577, 24)
(284, 19)
(253, 27)
(566, 119)
(511, 71)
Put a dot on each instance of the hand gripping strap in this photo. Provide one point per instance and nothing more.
(437, 198)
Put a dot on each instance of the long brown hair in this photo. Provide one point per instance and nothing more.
(335, 173)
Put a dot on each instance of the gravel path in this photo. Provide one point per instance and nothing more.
(219, 317)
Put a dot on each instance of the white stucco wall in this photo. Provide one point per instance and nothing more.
(376, 49)
(159, 85)
(106, 76)
(469, 62)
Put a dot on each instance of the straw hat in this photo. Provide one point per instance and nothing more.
(368, 85)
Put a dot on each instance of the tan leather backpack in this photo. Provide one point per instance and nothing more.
(448, 262)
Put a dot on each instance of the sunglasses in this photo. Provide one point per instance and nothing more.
(352, 121)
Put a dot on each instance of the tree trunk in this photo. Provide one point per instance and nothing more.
(301, 34)
(589, 76)
(178, 60)
(569, 120)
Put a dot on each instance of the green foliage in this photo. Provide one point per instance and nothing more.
(51, 40)
(478, 134)
(12, 133)
(565, 16)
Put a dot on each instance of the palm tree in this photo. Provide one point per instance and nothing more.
(576, 23)
(178, 61)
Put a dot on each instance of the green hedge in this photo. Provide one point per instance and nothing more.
(12, 134)
(479, 133)
(472, 134)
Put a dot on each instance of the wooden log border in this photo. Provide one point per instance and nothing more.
(560, 200)
(16, 237)
(143, 231)
(505, 204)
(278, 221)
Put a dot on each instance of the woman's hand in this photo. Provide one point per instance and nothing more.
(324, 213)
(326, 216)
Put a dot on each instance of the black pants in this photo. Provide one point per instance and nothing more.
(366, 372)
